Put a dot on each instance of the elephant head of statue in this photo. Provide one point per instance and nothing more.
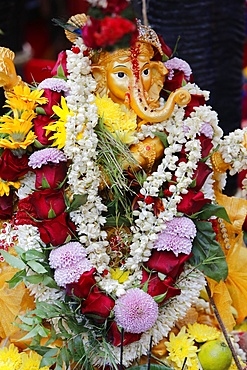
(131, 77)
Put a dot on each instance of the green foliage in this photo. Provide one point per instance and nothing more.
(207, 252)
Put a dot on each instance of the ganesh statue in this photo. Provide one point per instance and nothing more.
(115, 169)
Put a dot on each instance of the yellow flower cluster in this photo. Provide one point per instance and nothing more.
(119, 120)
(15, 129)
(12, 359)
(58, 128)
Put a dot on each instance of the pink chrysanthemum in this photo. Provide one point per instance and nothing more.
(207, 130)
(54, 84)
(67, 255)
(174, 243)
(71, 274)
(136, 311)
(177, 237)
(45, 156)
(178, 64)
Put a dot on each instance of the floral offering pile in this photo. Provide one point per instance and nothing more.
(113, 259)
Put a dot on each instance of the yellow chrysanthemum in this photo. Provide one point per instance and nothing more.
(120, 275)
(181, 347)
(18, 129)
(31, 361)
(202, 333)
(22, 96)
(58, 127)
(5, 186)
(10, 357)
(119, 120)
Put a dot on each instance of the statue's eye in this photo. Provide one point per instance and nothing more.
(146, 72)
(120, 74)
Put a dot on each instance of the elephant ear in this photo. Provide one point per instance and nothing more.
(99, 74)
(158, 73)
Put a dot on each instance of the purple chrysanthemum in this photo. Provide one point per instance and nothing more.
(136, 311)
(178, 64)
(174, 243)
(45, 156)
(67, 255)
(177, 237)
(71, 274)
(207, 130)
(54, 84)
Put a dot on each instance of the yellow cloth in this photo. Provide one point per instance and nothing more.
(12, 301)
(232, 291)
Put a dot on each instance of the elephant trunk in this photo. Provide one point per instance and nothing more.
(139, 104)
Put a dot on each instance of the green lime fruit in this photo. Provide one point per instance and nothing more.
(215, 355)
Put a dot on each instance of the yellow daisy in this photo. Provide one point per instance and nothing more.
(119, 120)
(58, 127)
(202, 333)
(181, 347)
(31, 361)
(10, 356)
(5, 187)
(24, 95)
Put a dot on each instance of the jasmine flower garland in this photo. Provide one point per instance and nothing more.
(81, 144)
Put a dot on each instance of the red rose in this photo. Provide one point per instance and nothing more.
(176, 82)
(156, 286)
(12, 167)
(61, 62)
(196, 101)
(114, 336)
(97, 303)
(83, 287)
(206, 145)
(167, 263)
(39, 122)
(46, 201)
(6, 206)
(200, 175)
(54, 98)
(25, 214)
(56, 230)
(192, 202)
(53, 173)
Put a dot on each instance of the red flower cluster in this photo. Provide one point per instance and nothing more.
(107, 32)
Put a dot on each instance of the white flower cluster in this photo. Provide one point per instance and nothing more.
(233, 149)
(80, 148)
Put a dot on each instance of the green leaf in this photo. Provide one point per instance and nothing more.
(33, 254)
(44, 183)
(163, 138)
(152, 367)
(207, 252)
(17, 279)
(60, 72)
(40, 110)
(48, 361)
(13, 261)
(51, 213)
(36, 266)
(78, 200)
(210, 210)
(38, 145)
(159, 298)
